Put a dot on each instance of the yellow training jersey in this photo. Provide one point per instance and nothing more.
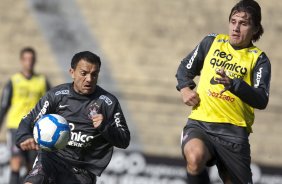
(26, 93)
(225, 108)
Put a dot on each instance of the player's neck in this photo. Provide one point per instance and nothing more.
(242, 46)
(27, 74)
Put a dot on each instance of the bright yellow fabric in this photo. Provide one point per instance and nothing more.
(225, 108)
(26, 93)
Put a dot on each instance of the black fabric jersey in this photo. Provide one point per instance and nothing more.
(89, 148)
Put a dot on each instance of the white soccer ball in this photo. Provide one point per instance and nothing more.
(51, 132)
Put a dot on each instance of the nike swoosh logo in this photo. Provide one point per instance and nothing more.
(63, 106)
(213, 81)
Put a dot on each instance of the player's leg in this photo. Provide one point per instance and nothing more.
(234, 161)
(66, 173)
(223, 173)
(15, 164)
(30, 159)
(50, 169)
(37, 176)
(16, 157)
(197, 155)
(40, 173)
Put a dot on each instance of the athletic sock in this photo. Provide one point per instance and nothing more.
(14, 178)
(202, 178)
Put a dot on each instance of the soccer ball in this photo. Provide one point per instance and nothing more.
(51, 132)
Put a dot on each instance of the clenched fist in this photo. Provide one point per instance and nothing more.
(190, 97)
(29, 144)
(223, 79)
(97, 119)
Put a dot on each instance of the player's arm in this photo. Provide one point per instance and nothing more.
(24, 137)
(190, 67)
(257, 94)
(5, 100)
(113, 127)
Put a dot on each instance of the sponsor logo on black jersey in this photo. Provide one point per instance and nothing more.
(78, 138)
(258, 77)
(62, 92)
(63, 106)
(106, 99)
(43, 110)
(212, 34)
(190, 63)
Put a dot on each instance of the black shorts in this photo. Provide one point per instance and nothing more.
(28, 156)
(50, 169)
(231, 157)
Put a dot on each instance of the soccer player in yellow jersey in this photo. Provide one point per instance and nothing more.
(234, 79)
(19, 96)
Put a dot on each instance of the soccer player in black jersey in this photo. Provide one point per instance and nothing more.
(234, 79)
(97, 125)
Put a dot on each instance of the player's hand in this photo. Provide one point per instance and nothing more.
(190, 97)
(223, 79)
(97, 120)
(29, 144)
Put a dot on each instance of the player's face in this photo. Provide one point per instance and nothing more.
(241, 29)
(85, 77)
(27, 61)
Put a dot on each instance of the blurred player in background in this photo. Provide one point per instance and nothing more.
(19, 96)
(97, 125)
(234, 79)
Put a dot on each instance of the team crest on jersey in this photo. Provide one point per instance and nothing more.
(93, 110)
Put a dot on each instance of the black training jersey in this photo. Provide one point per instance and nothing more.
(89, 148)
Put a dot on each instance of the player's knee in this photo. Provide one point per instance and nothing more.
(196, 160)
(195, 163)
(15, 163)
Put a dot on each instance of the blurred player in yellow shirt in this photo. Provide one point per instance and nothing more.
(19, 96)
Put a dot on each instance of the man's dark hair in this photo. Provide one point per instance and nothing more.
(29, 50)
(253, 8)
(87, 56)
